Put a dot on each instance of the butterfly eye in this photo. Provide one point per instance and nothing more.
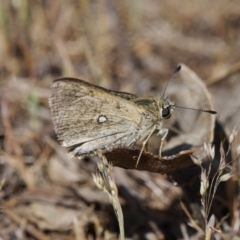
(166, 113)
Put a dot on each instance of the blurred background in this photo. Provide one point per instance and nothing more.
(131, 46)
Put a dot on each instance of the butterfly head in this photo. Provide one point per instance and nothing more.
(167, 108)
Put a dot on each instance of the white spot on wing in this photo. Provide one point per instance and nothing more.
(102, 119)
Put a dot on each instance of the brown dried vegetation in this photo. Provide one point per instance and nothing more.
(131, 46)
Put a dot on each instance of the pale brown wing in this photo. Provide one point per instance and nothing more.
(127, 96)
(86, 114)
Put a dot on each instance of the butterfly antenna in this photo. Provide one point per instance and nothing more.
(175, 72)
(196, 109)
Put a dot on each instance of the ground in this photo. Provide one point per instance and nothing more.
(131, 46)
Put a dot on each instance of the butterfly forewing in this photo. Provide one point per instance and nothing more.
(87, 117)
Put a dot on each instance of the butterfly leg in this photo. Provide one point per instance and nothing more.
(144, 144)
(163, 132)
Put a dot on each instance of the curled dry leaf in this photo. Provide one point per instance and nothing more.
(198, 127)
(126, 158)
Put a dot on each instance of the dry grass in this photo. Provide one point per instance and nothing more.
(131, 46)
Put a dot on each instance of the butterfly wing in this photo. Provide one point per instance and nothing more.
(87, 117)
(124, 95)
